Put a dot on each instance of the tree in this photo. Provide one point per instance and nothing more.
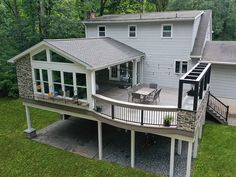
(161, 5)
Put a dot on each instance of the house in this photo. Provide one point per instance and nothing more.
(86, 78)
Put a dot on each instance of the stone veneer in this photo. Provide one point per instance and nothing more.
(188, 120)
(24, 77)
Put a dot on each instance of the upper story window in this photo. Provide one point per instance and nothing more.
(81, 85)
(101, 31)
(41, 80)
(181, 67)
(167, 31)
(58, 58)
(132, 31)
(41, 56)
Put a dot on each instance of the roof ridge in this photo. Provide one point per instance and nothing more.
(67, 39)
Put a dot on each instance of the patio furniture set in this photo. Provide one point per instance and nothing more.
(144, 93)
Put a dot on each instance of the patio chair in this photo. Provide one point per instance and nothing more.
(153, 97)
(153, 85)
(130, 90)
(136, 98)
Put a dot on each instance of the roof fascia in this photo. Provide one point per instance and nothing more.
(198, 15)
(120, 62)
(135, 21)
(218, 62)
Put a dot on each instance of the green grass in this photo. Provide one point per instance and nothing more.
(217, 153)
(22, 157)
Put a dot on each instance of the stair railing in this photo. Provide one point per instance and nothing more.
(218, 106)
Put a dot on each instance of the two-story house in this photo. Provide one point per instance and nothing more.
(155, 55)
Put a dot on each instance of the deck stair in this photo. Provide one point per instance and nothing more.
(217, 109)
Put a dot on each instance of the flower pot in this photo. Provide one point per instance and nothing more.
(166, 123)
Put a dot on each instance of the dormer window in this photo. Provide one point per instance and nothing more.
(132, 31)
(101, 31)
(167, 30)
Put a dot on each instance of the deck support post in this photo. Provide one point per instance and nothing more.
(132, 148)
(100, 140)
(200, 131)
(29, 132)
(195, 147)
(189, 159)
(179, 147)
(172, 157)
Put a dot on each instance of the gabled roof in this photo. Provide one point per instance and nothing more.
(143, 17)
(222, 52)
(201, 34)
(94, 53)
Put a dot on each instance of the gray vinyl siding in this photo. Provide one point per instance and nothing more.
(223, 81)
(161, 54)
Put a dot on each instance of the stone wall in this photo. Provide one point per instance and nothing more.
(188, 120)
(24, 77)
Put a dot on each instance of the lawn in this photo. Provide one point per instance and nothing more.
(22, 157)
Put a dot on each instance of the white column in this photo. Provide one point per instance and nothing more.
(93, 88)
(179, 147)
(132, 148)
(200, 132)
(100, 140)
(141, 70)
(189, 159)
(195, 147)
(29, 129)
(134, 81)
(172, 157)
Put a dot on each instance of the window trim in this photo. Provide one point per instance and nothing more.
(162, 27)
(99, 31)
(180, 66)
(129, 31)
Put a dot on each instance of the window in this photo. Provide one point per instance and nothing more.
(68, 84)
(167, 31)
(114, 71)
(132, 31)
(41, 56)
(81, 86)
(58, 58)
(57, 86)
(101, 31)
(37, 80)
(181, 67)
(45, 81)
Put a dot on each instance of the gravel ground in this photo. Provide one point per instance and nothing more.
(73, 135)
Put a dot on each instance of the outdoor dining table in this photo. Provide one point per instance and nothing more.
(145, 91)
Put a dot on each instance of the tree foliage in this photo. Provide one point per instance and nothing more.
(24, 23)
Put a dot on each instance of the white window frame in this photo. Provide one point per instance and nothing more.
(180, 67)
(129, 31)
(99, 31)
(162, 27)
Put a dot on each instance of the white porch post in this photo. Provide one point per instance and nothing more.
(172, 157)
(200, 132)
(134, 81)
(93, 88)
(179, 147)
(141, 70)
(100, 140)
(195, 147)
(189, 159)
(30, 132)
(132, 148)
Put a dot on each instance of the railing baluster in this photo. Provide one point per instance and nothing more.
(112, 111)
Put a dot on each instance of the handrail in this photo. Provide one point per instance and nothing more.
(218, 106)
(135, 113)
(135, 105)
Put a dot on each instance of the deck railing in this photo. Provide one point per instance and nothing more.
(140, 114)
(218, 106)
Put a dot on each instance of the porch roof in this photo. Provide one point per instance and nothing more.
(94, 53)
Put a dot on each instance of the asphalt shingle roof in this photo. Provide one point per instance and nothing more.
(96, 52)
(220, 51)
(154, 16)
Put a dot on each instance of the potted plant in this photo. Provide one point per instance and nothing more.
(167, 120)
